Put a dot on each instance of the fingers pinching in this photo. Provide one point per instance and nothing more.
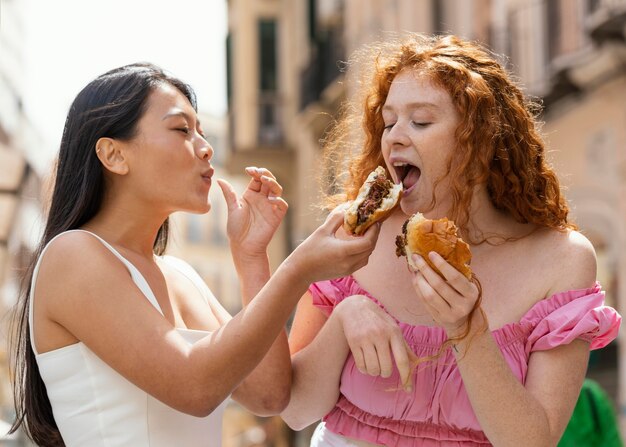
(270, 187)
(253, 170)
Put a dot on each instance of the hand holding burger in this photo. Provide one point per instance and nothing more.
(421, 236)
(377, 199)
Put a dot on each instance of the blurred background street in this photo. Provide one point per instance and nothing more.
(269, 82)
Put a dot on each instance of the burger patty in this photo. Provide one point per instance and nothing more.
(379, 189)
(401, 240)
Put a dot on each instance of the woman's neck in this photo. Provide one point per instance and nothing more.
(127, 226)
(486, 222)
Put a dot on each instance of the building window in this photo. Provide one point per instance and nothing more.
(267, 55)
(270, 130)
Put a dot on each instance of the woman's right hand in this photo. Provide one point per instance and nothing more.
(374, 336)
(324, 256)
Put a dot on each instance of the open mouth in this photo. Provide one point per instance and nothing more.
(407, 174)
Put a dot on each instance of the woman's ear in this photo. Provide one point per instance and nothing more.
(111, 154)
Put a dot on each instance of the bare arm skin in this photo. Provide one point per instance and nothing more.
(511, 413)
(135, 340)
(251, 225)
(320, 347)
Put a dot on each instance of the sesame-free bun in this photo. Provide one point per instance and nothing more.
(421, 236)
(391, 198)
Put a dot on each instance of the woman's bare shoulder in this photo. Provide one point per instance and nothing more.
(76, 258)
(572, 260)
(74, 248)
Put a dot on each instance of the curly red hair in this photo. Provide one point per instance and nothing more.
(499, 143)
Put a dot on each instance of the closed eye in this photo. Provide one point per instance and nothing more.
(389, 126)
(184, 130)
(420, 124)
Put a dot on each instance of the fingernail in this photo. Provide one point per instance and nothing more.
(433, 255)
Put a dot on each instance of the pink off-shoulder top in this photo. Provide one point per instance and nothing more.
(438, 411)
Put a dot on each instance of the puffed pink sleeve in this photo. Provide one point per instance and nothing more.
(326, 294)
(570, 315)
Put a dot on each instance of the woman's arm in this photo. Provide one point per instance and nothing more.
(319, 351)
(265, 391)
(320, 346)
(100, 305)
(531, 414)
(252, 221)
(512, 413)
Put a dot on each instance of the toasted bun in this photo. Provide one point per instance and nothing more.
(389, 203)
(424, 235)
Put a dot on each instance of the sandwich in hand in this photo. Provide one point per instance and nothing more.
(376, 200)
(421, 236)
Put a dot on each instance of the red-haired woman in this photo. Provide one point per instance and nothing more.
(446, 120)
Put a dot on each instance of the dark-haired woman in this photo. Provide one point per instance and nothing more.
(448, 123)
(119, 345)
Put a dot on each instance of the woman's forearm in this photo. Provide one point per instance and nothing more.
(508, 412)
(230, 354)
(508, 415)
(265, 391)
(316, 376)
(253, 272)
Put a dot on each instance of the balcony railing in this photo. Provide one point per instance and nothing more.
(607, 20)
(324, 66)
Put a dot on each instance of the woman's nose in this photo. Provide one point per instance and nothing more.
(397, 134)
(204, 149)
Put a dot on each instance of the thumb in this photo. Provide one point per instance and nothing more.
(232, 201)
(335, 219)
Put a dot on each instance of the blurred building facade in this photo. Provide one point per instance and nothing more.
(20, 191)
(285, 86)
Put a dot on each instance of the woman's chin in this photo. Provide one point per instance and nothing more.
(200, 209)
(206, 208)
(409, 207)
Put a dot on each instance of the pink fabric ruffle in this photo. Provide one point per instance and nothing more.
(567, 316)
(348, 420)
(376, 410)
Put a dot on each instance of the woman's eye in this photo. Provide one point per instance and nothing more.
(389, 126)
(184, 130)
(420, 123)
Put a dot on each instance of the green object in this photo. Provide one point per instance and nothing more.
(593, 423)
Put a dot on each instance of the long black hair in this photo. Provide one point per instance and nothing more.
(109, 106)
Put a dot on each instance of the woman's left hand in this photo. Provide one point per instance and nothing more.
(449, 301)
(254, 217)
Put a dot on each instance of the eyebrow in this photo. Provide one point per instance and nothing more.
(183, 114)
(415, 105)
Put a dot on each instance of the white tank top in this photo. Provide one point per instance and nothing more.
(93, 405)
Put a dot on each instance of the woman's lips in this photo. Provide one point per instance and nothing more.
(207, 175)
